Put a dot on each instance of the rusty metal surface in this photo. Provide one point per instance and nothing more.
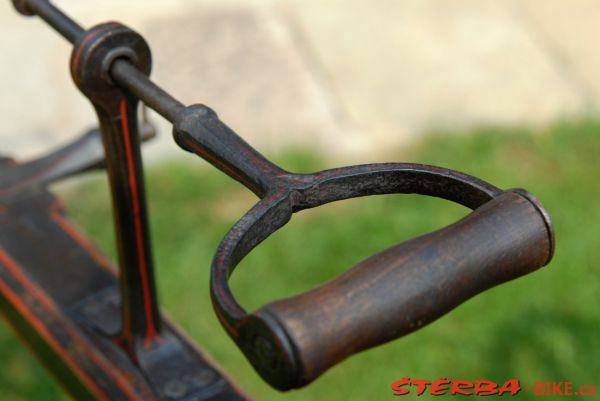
(289, 342)
(293, 341)
(290, 355)
(61, 295)
(117, 116)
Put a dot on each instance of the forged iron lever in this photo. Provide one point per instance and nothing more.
(291, 342)
(199, 130)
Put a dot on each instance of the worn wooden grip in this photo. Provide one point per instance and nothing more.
(399, 290)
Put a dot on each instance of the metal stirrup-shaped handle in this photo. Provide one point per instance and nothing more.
(291, 342)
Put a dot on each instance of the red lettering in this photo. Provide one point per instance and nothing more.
(439, 387)
(485, 388)
(397, 386)
(460, 387)
(421, 385)
(512, 386)
(591, 392)
(538, 389)
(568, 388)
(556, 388)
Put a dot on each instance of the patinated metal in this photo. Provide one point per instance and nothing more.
(94, 331)
(63, 296)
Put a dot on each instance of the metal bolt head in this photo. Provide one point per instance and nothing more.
(202, 378)
(22, 7)
(265, 351)
(176, 389)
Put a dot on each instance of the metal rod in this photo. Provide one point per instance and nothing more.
(68, 28)
(246, 165)
(122, 71)
(136, 82)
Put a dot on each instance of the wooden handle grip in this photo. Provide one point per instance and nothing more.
(293, 341)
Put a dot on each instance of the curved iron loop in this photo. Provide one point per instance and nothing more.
(291, 342)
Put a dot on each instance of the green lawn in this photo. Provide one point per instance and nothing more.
(543, 327)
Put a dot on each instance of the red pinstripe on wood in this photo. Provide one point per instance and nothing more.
(151, 331)
(48, 305)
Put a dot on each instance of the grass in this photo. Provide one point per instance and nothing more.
(543, 327)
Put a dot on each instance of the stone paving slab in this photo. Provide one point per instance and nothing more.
(410, 65)
(242, 62)
(569, 31)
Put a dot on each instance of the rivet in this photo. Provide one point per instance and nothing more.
(176, 389)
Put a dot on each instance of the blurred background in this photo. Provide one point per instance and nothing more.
(508, 91)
